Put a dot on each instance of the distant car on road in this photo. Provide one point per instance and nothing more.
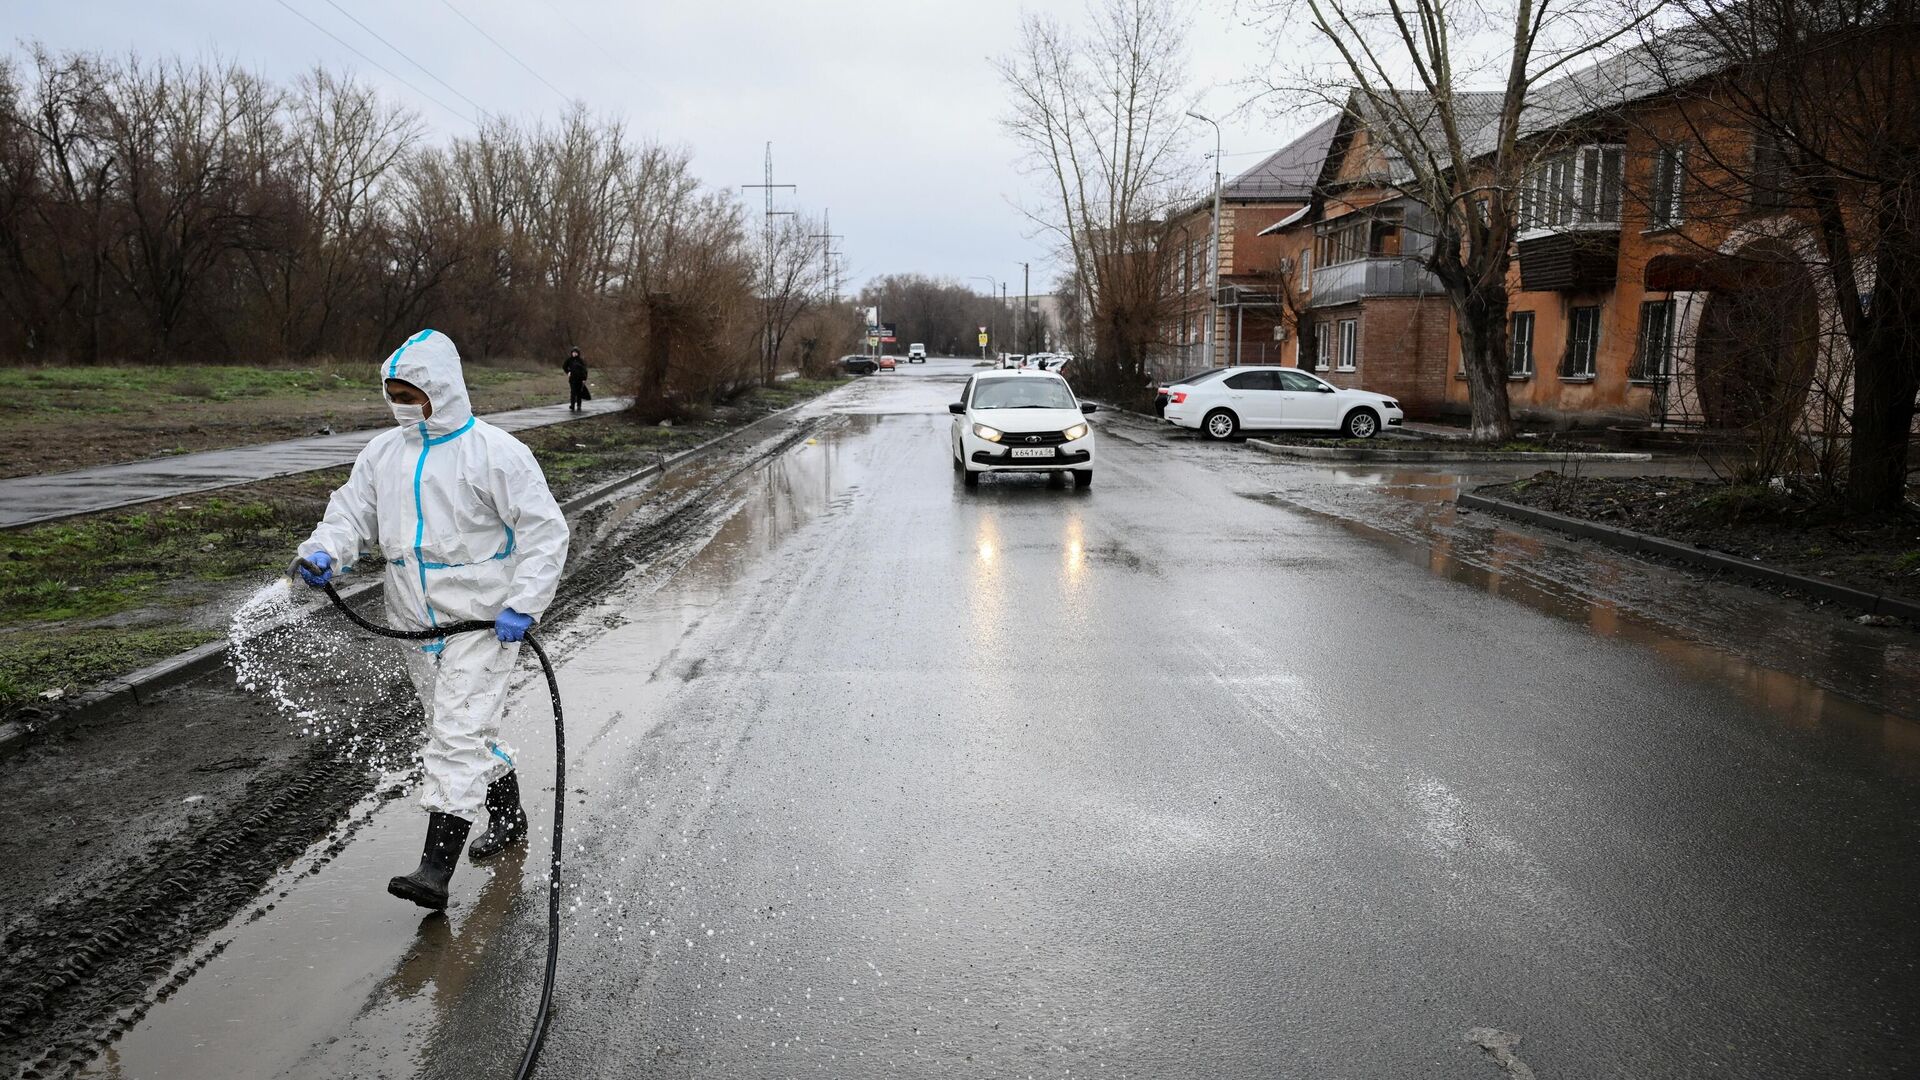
(888, 363)
(1225, 402)
(860, 365)
(1021, 421)
(916, 353)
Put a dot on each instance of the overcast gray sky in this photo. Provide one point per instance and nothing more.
(884, 112)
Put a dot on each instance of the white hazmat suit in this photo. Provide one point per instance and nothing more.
(466, 527)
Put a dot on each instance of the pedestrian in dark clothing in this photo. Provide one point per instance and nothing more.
(576, 370)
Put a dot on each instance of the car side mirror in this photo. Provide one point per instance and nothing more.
(1089, 407)
(957, 408)
(1325, 389)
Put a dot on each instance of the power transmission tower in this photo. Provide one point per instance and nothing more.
(767, 357)
(827, 253)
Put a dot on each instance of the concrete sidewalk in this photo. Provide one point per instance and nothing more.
(25, 500)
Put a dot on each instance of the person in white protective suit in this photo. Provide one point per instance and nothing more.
(466, 529)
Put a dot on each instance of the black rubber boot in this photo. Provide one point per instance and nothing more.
(427, 886)
(506, 822)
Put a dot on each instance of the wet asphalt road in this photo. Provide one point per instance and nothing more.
(1168, 778)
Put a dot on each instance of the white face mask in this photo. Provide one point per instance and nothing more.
(406, 415)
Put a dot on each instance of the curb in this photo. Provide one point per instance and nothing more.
(1345, 453)
(133, 687)
(1643, 543)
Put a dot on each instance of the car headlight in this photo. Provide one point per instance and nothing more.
(1391, 404)
(1075, 432)
(987, 433)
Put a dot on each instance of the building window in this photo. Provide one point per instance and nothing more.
(1574, 188)
(1770, 175)
(1669, 171)
(1372, 234)
(1323, 345)
(1520, 348)
(1349, 344)
(1653, 350)
(1583, 343)
(1306, 270)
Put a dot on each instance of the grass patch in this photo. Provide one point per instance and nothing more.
(76, 658)
(106, 564)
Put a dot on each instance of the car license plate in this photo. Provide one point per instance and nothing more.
(1033, 451)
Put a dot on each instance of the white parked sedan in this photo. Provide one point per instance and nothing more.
(1021, 421)
(1226, 401)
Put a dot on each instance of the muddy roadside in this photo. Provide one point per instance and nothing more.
(1774, 526)
(130, 836)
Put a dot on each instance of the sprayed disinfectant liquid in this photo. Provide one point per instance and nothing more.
(329, 682)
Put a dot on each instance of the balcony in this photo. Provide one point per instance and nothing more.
(1573, 261)
(1392, 275)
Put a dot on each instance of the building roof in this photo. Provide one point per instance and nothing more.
(1289, 173)
(1476, 111)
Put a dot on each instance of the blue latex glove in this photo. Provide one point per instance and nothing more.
(510, 625)
(320, 559)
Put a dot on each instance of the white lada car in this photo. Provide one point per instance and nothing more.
(1021, 421)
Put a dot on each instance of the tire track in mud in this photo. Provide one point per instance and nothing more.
(78, 972)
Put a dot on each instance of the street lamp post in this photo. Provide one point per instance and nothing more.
(1213, 245)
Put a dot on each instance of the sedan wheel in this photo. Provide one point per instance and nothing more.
(1362, 424)
(1220, 424)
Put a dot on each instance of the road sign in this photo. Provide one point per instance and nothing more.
(983, 339)
(983, 330)
(873, 342)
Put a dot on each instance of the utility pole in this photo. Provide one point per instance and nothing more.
(767, 358)
(826, 245)
(1003, 307)
(1026, 287)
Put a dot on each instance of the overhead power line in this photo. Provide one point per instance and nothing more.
(616, 61)
(479, 110)
(395, 76)
(508, 52)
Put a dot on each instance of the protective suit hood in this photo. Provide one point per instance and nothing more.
(429, 361)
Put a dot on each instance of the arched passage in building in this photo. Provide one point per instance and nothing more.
(1759, 339)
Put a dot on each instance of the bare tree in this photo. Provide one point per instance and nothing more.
(1101, 116)
(795, 283)
(941, 313)
(348, 147)
(1405, 73)
(190, 209)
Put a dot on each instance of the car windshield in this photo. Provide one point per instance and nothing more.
(1018, 393)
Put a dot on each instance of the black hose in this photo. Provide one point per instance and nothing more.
(470, 626)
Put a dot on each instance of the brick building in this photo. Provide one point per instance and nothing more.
(1252, 323)
(1643, 262)
(1648, 258)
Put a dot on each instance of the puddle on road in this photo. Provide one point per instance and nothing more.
(1507, 567)
(324, 974)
